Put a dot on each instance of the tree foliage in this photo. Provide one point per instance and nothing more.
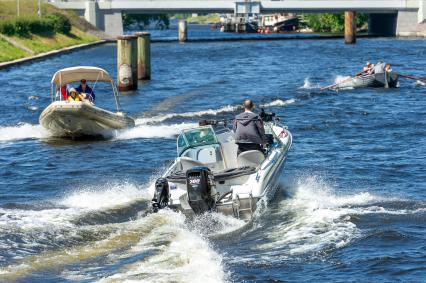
(23, 26)
(331, 22)
(142, 20)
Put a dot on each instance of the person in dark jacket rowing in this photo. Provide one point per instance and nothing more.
(249, 130)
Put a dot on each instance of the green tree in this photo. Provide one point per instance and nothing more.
(331, 22)
(143, 20)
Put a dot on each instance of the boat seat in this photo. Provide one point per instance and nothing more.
(211, 157)
(251, 158)
(188, 163)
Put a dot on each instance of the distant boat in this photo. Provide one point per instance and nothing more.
(280, 22)
(374, 80)
(76, 119)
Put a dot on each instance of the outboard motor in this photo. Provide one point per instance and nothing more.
(201, 189)
(161, 194)
(266, 117)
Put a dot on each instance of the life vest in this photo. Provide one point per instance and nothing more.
(77, 98)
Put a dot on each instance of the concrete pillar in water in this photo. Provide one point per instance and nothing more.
(144, 55)
(350, 27)
(127, 65)
(182, 31)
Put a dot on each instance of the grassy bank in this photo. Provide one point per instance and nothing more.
(207, 19)
(17, 44)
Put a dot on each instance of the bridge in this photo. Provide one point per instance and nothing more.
(386, 16)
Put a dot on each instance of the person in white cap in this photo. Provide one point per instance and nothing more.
(74, 96)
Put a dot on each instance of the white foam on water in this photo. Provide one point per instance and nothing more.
(22, 131)
(75, 205)
(316, 219)
(308, 85)
(153, 131)
(208, 112)
(420, 83)
(166, 248)
(181, 255)
(278, 102)
(163, 117)
(112, 196)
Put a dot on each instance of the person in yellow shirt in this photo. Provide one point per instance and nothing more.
(74, 96)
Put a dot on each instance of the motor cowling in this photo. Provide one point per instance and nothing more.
(161, 194)
(201, 189)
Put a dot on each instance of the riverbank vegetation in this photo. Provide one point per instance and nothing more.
(199, 19)
(141, 21)
(29, 34)
(332, 22)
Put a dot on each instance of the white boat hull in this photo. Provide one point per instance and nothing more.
(78, 119)
(374, 80)
(244, 190)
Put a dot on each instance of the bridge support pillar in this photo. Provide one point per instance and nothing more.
(112, 23)
(127, 65)
(421, 16)
(350, 27)
(182, 31)
(144, 55)
(90, 12)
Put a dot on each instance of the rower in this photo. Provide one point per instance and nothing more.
(388, 68)
(368, 68)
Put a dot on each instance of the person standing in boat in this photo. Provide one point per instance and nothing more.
(86, 91)
(249, 130)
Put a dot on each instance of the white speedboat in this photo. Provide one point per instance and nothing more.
(207, 174)
(75, 119)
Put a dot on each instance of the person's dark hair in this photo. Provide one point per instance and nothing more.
(83, 81)
(248, 104)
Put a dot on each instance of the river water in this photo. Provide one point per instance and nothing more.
(351, 206)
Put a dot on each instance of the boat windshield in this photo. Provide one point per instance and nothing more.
(195, 137)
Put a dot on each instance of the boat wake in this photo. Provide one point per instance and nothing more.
(311, 220)
(208, 112)
(153, 127)
(107, 233)
(308, 85)
(146, 127)
(22, 131)
(153, 131)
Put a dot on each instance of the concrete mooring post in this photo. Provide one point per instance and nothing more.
(127, 65)
(350, 27)
(144, 55)
(182, 31)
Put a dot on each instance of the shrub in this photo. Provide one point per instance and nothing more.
(7, 27)
(43, 26)
(23, 26)
(60, 22)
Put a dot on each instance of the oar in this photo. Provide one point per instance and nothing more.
(348, 79)
(412, 78)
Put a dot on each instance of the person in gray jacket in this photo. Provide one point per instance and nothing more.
(249, 130)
